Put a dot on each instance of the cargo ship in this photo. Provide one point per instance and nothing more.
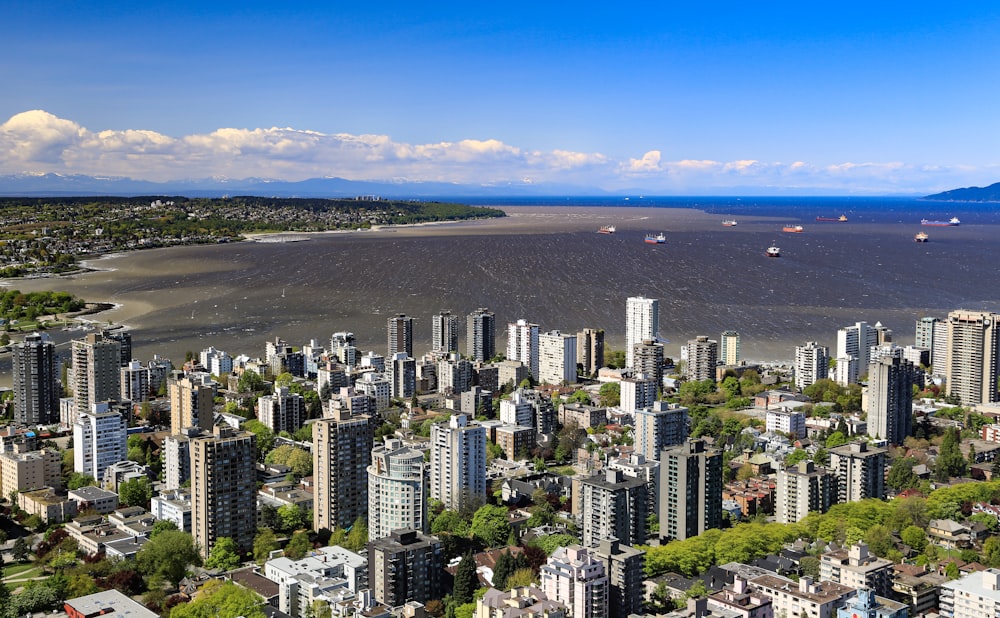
(795, 229)
(921, 237)
(773, 251)
(840, 219)
(949, 223)
(729, 222)
(607, 229)
(657, 239)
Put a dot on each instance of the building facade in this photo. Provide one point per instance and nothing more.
(642, 322)
(400, 335)
(36, 381)
(802, 489)
(342, 449)
(397, 492)
(481, 334)
(973, 360)
(729, 348)
(590, 350)
(577, 579)
(890, 399)
(860, 471)
(458, 464)
(99, 440)
(223, 488)
(812, 362)
(690, 490)
(614, 506)
(702, 357)
(282, 411)
(556, 358)
(95, 372)
(444, 333)
(404, 566)
(660, 426)
(522, 344)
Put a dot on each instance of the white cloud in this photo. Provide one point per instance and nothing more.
(37, 141)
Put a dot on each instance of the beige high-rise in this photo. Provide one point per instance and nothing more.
(223, 488)
(972, 361)
(342, 451)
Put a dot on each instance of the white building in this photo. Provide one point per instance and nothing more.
(99, 440)
(642, 322)
(977, 595)
(787, 422)
(324, 575)
(637, 393)
(458, 463)
(175, 506)
(522, 344)
(216, 362)
(659, 426)
(556, 358)
(811, 364)
(578, 580)
(856, 341)
(518, 410)
(402, 374)
(282, 411)
(135, 382)
(444, 333)
(397, 494)
(376, 386)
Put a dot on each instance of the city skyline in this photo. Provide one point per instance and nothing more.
(761, 100)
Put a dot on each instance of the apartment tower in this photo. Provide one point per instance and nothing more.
(480, 335)
(36, 381)
(342, 451)
(642, 322)
(224, 488)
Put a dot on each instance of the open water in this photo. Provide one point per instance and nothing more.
(547, 263)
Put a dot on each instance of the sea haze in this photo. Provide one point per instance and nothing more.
(547, 263)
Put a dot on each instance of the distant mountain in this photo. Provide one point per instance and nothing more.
(65, 185)
(969, 194)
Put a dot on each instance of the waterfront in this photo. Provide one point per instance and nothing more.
(548, 265)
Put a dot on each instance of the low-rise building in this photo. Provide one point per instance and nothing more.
(107, 604)
(858, 568)
(743, 599)
(30, 470)
(805, 598)
(173, 506)
(330, 574)
(50, 506)
(977, 595)
(529, 602)
(866, 604)
(96, 499)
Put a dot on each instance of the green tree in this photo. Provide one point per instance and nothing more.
(21, 549)
(357, 538)
(491, 526)
(503, 569)
(796, 456)
(521, 578)
(879, 540)
(265, 437)
(218, 598)
(901, 476)
(263, 544)
(249, 382)
(161, 525)
(298, 546)
(466, 580)
(950, 462)
(135, 492)
(915, 537)
(450, 522)
(991, 551)
(292, 517)
(224, 555)
(610, 394)
(168, 556)
(77, 480)
(836, 439)
(299, 460)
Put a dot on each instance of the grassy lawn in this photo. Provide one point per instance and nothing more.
(563, 470)
(21, 570)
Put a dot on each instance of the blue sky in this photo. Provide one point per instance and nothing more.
(667, 98)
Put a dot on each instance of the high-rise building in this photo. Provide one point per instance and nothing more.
(659, 426)
(397, 494)
(135, 382)
(223, 488)
(400, 339)
(856, 341)
(860, 471)
(702, 357)
(614, 506)
(282, 410)
(690, 490)
(973, 361)
(402, 371)
(192, 401)
(36, 381)
(124, 339)
(556, 358)
(99, 440)
(216, 362)
(343, 346)
(647, 360)
(405, 566)
(802, 489)
(458, 464)
(932, 333)
(729, 348)
(642, 322)
(377, 387)
(444, 333)
(454, 375)
(342, 450)
(811, 364)
(480, 335)
(624, 566)
(590, 350)
(522, 344)
(577, 579)
(637, 392)
(890, 399)
(95, 371)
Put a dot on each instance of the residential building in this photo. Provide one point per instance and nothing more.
(865, 604)
(973, 360)
(454, 375)
(324, 576)
(177, 457)
(613, 506)
(637, 392)
(377, 387)
(856, 567)
(787, 422)
(216, 362)
(96, 499)
(109, 603)
(480, 334)
(223, 488)
(811, 364)
(932, 334)
(342, 449)
(175, 506)
(690, 490)
(36, 381)
(635, 465)
(397, 493)
(516, 441)
(642, 323)
(659, 426)
(458, 464)
(95, 375)
(802, 489)
(976, 595)
(856, 341)
(31, 470)
(282, 410)
(804, 598)
(529, 602)
(444, 333)
(742, 599)
(702, 357)
(99, 440)
(405, 565)
(623, 565)
(582, 415)
(647, 360)
(343, 346)
(556, 358)
(522, 344)
(890, 399)
(590, 350)
(400, 335)
(402, 373)
(860, 470)
(576, 578)
(729, 348)
(135, 385)
(192, 400)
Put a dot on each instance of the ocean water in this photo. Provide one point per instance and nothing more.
(546, 263)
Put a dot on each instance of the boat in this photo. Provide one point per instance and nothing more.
(921, 237)
(797, 229)
(658, 239)
(949, 223)
(773, 251)
(840, 219)
(729, 222)
(607, 229)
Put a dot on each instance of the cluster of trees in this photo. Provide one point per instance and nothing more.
(17, 306)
